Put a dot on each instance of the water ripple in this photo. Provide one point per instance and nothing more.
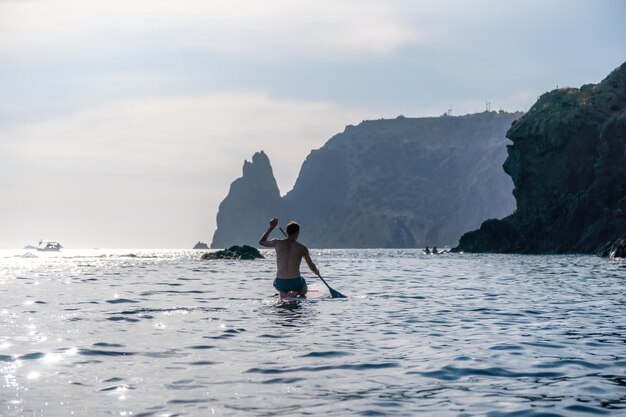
(451, 373)
(346, 367)
(162, 333)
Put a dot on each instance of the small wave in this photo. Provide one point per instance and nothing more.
(586, 409)
(484, 310)
(226, 334)
(134, 255)
(198, 401)
(104, 344)
(451, 373)
(170, 310)
(273, 336)
(27, 357)
(543, 344)
(121, 300)
(121, 318)
(96, 352)
(148, 293)
(330, 354)
(565, 362)
(202, 363)
(372, 413)
(190, 387)
(506, 347)
(282, 380)
(522, 413)
(114, 379)
(170, 353)
(117, 387)
(533, 312)
(182, 382)
(405, 297)
(148, 413)
(347, 367)
(32, 356)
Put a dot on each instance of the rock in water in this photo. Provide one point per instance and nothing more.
(244, 252)
(201, 245)
(614, 250)
(406, 182)
(568, 164)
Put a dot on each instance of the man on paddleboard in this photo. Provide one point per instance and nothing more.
(289, 254)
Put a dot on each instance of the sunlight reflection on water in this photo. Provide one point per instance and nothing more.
(143, 332)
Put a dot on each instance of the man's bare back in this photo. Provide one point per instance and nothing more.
(289, 254)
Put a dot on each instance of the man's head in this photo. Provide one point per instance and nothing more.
(293, 229)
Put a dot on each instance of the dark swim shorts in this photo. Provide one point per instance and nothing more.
(290, 284)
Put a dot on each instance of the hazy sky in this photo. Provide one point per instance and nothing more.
(123, 123)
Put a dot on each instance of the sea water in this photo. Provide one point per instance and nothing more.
(164, 333)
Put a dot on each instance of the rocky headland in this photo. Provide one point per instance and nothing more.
(568, 164)
(398, 183)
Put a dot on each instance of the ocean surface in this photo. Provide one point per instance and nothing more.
(164, 333)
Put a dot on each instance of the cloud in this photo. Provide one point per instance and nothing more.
(226, 26)
(162, 132)
(154, 161)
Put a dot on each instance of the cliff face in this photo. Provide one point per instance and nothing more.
(386, 183)
(252, 200)
(568, 164)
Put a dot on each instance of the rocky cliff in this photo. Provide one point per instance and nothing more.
(406, 182)
(252, 200)
(568, 164)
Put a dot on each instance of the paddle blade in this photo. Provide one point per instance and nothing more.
(336, 294)
(333, 293)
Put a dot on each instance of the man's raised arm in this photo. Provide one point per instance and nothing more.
(273, 224)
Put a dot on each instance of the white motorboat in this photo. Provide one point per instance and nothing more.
(49, 246)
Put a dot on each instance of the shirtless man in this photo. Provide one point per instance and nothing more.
(289, 254)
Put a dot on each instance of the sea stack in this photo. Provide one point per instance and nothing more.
(568, 164)
(252, 200)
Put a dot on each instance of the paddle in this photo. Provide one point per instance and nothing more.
(333, 293)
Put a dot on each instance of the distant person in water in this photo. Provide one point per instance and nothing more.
(427, 251)
(435, 251)
(289, 254)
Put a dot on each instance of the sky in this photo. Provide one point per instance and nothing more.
(123, 123)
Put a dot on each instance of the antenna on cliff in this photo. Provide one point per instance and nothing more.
(487, 106)
(450, 110)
